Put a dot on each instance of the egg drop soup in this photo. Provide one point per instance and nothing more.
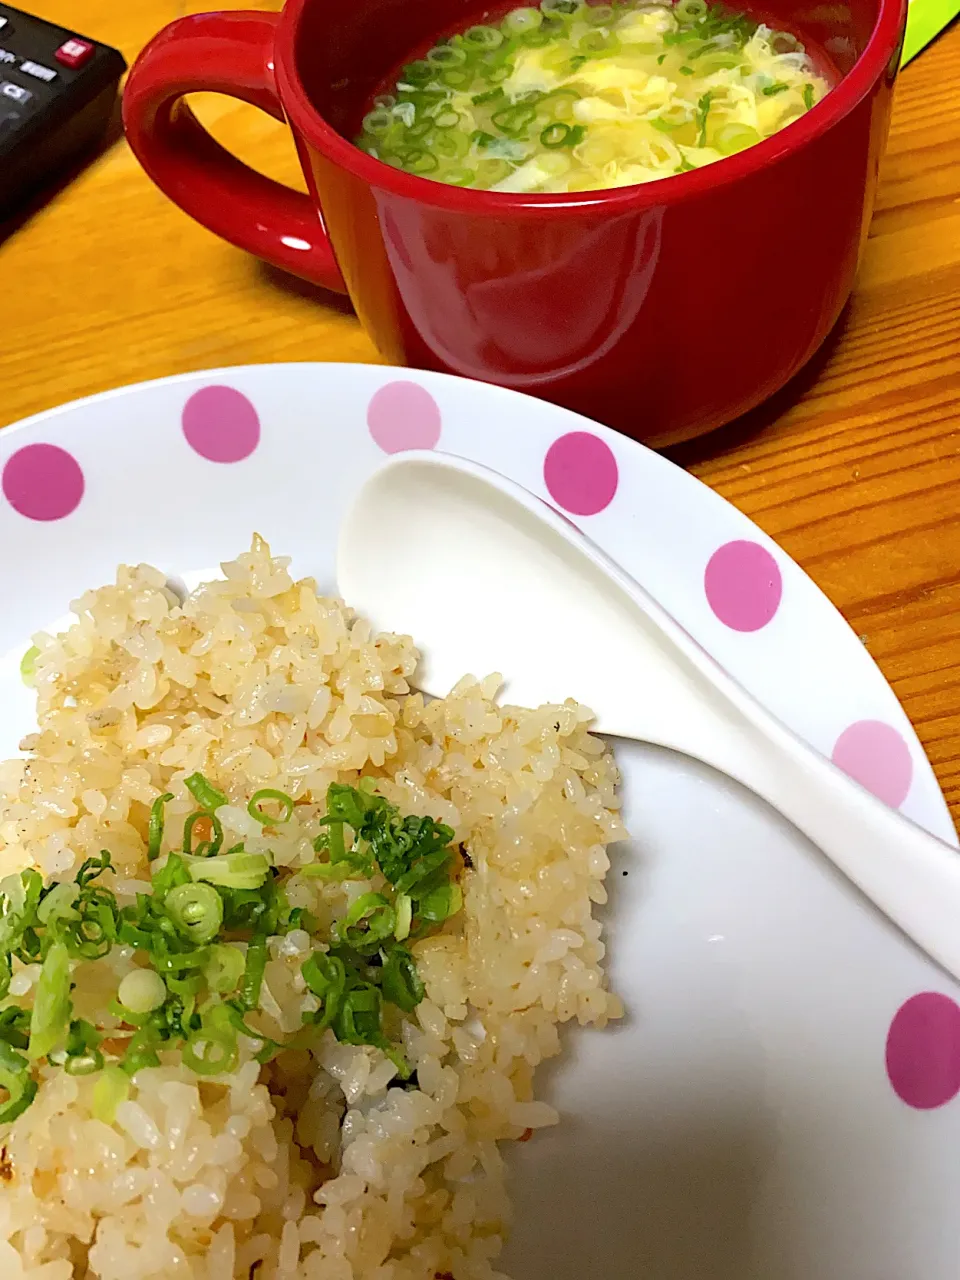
(575, 97)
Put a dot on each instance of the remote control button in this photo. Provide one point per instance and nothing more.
(74, 53)
(15, 93)
(8, 122)
(46, 74)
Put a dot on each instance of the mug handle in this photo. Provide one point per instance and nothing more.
(229, 53)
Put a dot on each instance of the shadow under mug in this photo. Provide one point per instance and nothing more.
(663, 310)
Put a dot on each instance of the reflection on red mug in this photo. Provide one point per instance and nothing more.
(664, 310)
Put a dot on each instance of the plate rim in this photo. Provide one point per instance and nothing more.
(399, 373)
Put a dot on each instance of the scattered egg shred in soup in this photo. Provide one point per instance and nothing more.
(576, 97)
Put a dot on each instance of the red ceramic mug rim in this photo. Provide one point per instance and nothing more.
(856, 84)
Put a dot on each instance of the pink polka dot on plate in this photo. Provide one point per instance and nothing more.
(404, 415)
(581, 473)
(923, 1051)
(877, 756)
(743, 585)
(43, 482)
(221, 424)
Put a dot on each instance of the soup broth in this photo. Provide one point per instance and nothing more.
(576, 97)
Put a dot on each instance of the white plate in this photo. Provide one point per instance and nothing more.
(756, 1118)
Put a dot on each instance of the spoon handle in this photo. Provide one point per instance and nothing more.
(913, 877)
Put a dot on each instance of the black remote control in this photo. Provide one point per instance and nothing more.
(58, 91)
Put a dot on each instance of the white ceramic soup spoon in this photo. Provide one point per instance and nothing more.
(486, 577)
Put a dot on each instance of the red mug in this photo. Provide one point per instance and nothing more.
(663, 310)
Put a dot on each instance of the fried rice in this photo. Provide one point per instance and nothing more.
(314, 1166)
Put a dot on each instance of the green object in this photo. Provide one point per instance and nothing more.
(51, 1006)
(401, 981)
(28, 666)
(15, 1027)
(58, 904)
(731, 138)
(520, 21)
(213, 1050)
(377, 121)
(326, 976)
(925, 20)
(446, 55)
(206, 848)
(224, 970)
(83, 1056)
(141, 1052)
(237, 870)
(483, 37)
(204, 792)
(358, 1020)
(514, 120)
(440, 903)
(404, 909)
(717, 60)
(703, 110)
(155, 827)
(253, 971)
(193, 985)
(142, 991)
(111, 1089)
(561, 135)
(594, 43)
(15, 1078)
(327, 871)
(369, 921)
(196, 910)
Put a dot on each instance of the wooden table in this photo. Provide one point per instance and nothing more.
(857, 474)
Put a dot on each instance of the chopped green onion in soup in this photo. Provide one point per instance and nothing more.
(572, 96)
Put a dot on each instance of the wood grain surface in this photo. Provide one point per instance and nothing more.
(855, 470)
